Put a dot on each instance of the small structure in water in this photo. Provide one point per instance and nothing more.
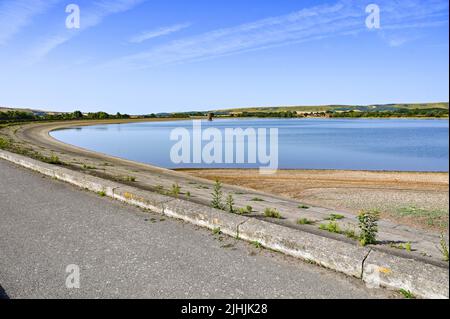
(210, 116)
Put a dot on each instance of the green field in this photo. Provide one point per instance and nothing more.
(324, 108)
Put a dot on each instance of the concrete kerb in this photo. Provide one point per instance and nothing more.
(204, 216)
(419, 278)
(143, 199)
(340, 256)
(394, 272)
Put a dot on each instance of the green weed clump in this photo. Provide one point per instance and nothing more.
(217, 196)
(305, 221)
(102, 193)
(334, 217)
(245, 210)
(272, 213)
(331, 227)
(4, 143)
(230, 204)
(368, 224)
(257, 244)
(444, 248)
(176, 189)
(407, 294)
(53, 159)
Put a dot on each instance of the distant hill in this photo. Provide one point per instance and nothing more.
(336, 108)
(27, 110)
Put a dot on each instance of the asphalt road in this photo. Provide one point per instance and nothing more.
(124, 252)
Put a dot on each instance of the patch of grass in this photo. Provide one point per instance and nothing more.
(433, 218)
(331, 227)
(129, 179)
(272, 213)
(444, 248)
(176, 190)
(188, 194)
(368, 224)
(303, 207)
(102, 193)
(88, 167)
(334, 217)
(406, 246)
(407, 294)
(243, 211)
(257, 199)
(257, 244)
(305, 221)
(217, 231)
(4, 143)
(53, 159)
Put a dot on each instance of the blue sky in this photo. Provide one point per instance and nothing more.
(138, 56)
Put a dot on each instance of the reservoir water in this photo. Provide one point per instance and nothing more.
(361, 144)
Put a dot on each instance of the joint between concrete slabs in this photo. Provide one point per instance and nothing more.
(364, 262)
(239, 225)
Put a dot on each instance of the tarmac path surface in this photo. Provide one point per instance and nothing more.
(124, 252)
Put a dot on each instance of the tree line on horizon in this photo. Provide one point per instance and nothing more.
(20, 116)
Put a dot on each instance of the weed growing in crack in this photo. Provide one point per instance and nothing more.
(331, 227)
(368, 224)
(217, 196)
(257, 244)
(176, 189)
(444, 248)
(272, 213)
(334, 217)
(230, 204)
(305, 221)
(407, 294)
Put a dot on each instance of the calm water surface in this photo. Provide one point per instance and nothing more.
(396, 144)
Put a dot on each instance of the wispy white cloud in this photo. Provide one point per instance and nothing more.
(397, 42)
(17, 14)
(90, 17)
(341, 18)
(147, 35)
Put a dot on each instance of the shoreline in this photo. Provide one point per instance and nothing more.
(307, 170)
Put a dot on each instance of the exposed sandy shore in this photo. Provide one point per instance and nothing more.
(418, 199)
